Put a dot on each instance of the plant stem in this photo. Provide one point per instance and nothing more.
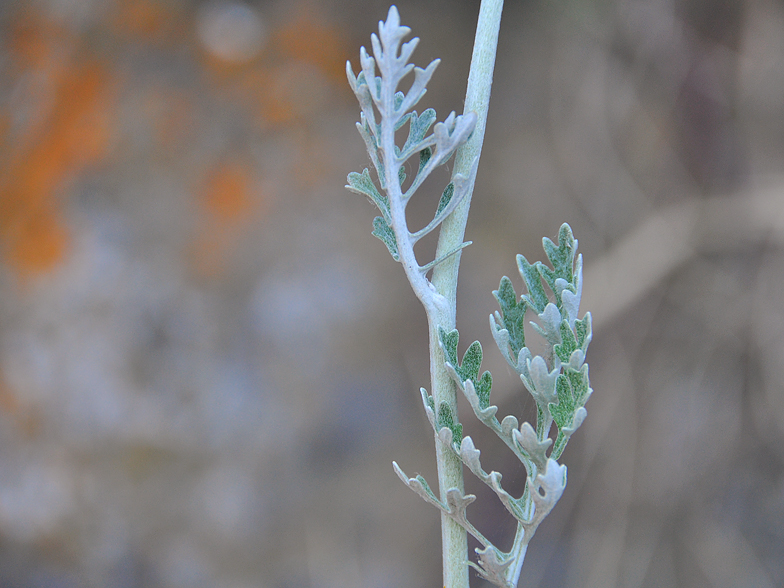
(450, 469)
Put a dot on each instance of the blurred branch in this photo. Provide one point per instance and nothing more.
(673, 236)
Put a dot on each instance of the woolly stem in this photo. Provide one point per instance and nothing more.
(450, 469)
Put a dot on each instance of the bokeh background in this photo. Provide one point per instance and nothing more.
(207, 364)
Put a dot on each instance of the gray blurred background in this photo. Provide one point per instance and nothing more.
(207, 363)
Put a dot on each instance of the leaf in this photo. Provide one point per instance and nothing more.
(457, 502)
(363, 184)
(451, 134)
(536, 297)
(528, 441)
(573, 390)
(449, 344)
(483, 387)
(583, 330)
(384, 232)
(418, 127)
(430, 407)
(469, 454)
(562, 259)
(417, 89)
(512, 314)
(420, 486)
(550, 327)
(424, 157)
(472, 361)
(447, 420)
(547, 489)
(540, 381)
(468, 369)
(571, 298)
(405, 118)
(568, 343)
(562, 256)
(492, 566)
(563, 410)
(446, 196)
(487, 414)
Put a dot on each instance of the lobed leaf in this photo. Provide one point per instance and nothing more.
(568, 343)
(363, 184)
(449, 344)
(536, 297)
(447, 420)
(383, 231)
(512, 314)
(561, 256)
(446, 196)
(468, 369)
(417, 129)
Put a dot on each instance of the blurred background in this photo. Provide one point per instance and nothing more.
(207, 363)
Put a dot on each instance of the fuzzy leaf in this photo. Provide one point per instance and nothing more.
(430, 407)
(492, 566)
(424, 157)
(512, 314)
(418, 127)
(540, 381)
(547, 489)
(573, 389)
(583, 330)
(458, 502)
(363, 184)
(449, 344)
(563, 410)
(470, 456)
(550, 327)
(384, 232)
(447, 420)
(468, 369)
(406, 117)
(472, 361)
(446, 196)
(451, 134)
(536, 297)
(420, 486)
(483, 387)
(561, 256)
(528, 441)
(486, 414)
(568, 343)
(417, 89)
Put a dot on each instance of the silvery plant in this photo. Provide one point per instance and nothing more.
(557, 379)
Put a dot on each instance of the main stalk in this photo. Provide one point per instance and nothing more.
(450, 469)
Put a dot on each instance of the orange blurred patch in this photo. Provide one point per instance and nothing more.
(5, 127)
(8, 400)
(260, 89)
(307, 39)
(148, 20)
(69, 130)
(280, 85)
(38, 43)
(25, 415)
(39, 244)
(228, 192)
(230, 201)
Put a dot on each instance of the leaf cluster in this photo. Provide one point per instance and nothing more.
(384, 110)
(558, 383)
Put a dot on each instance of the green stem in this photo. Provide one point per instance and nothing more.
(450, 469)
